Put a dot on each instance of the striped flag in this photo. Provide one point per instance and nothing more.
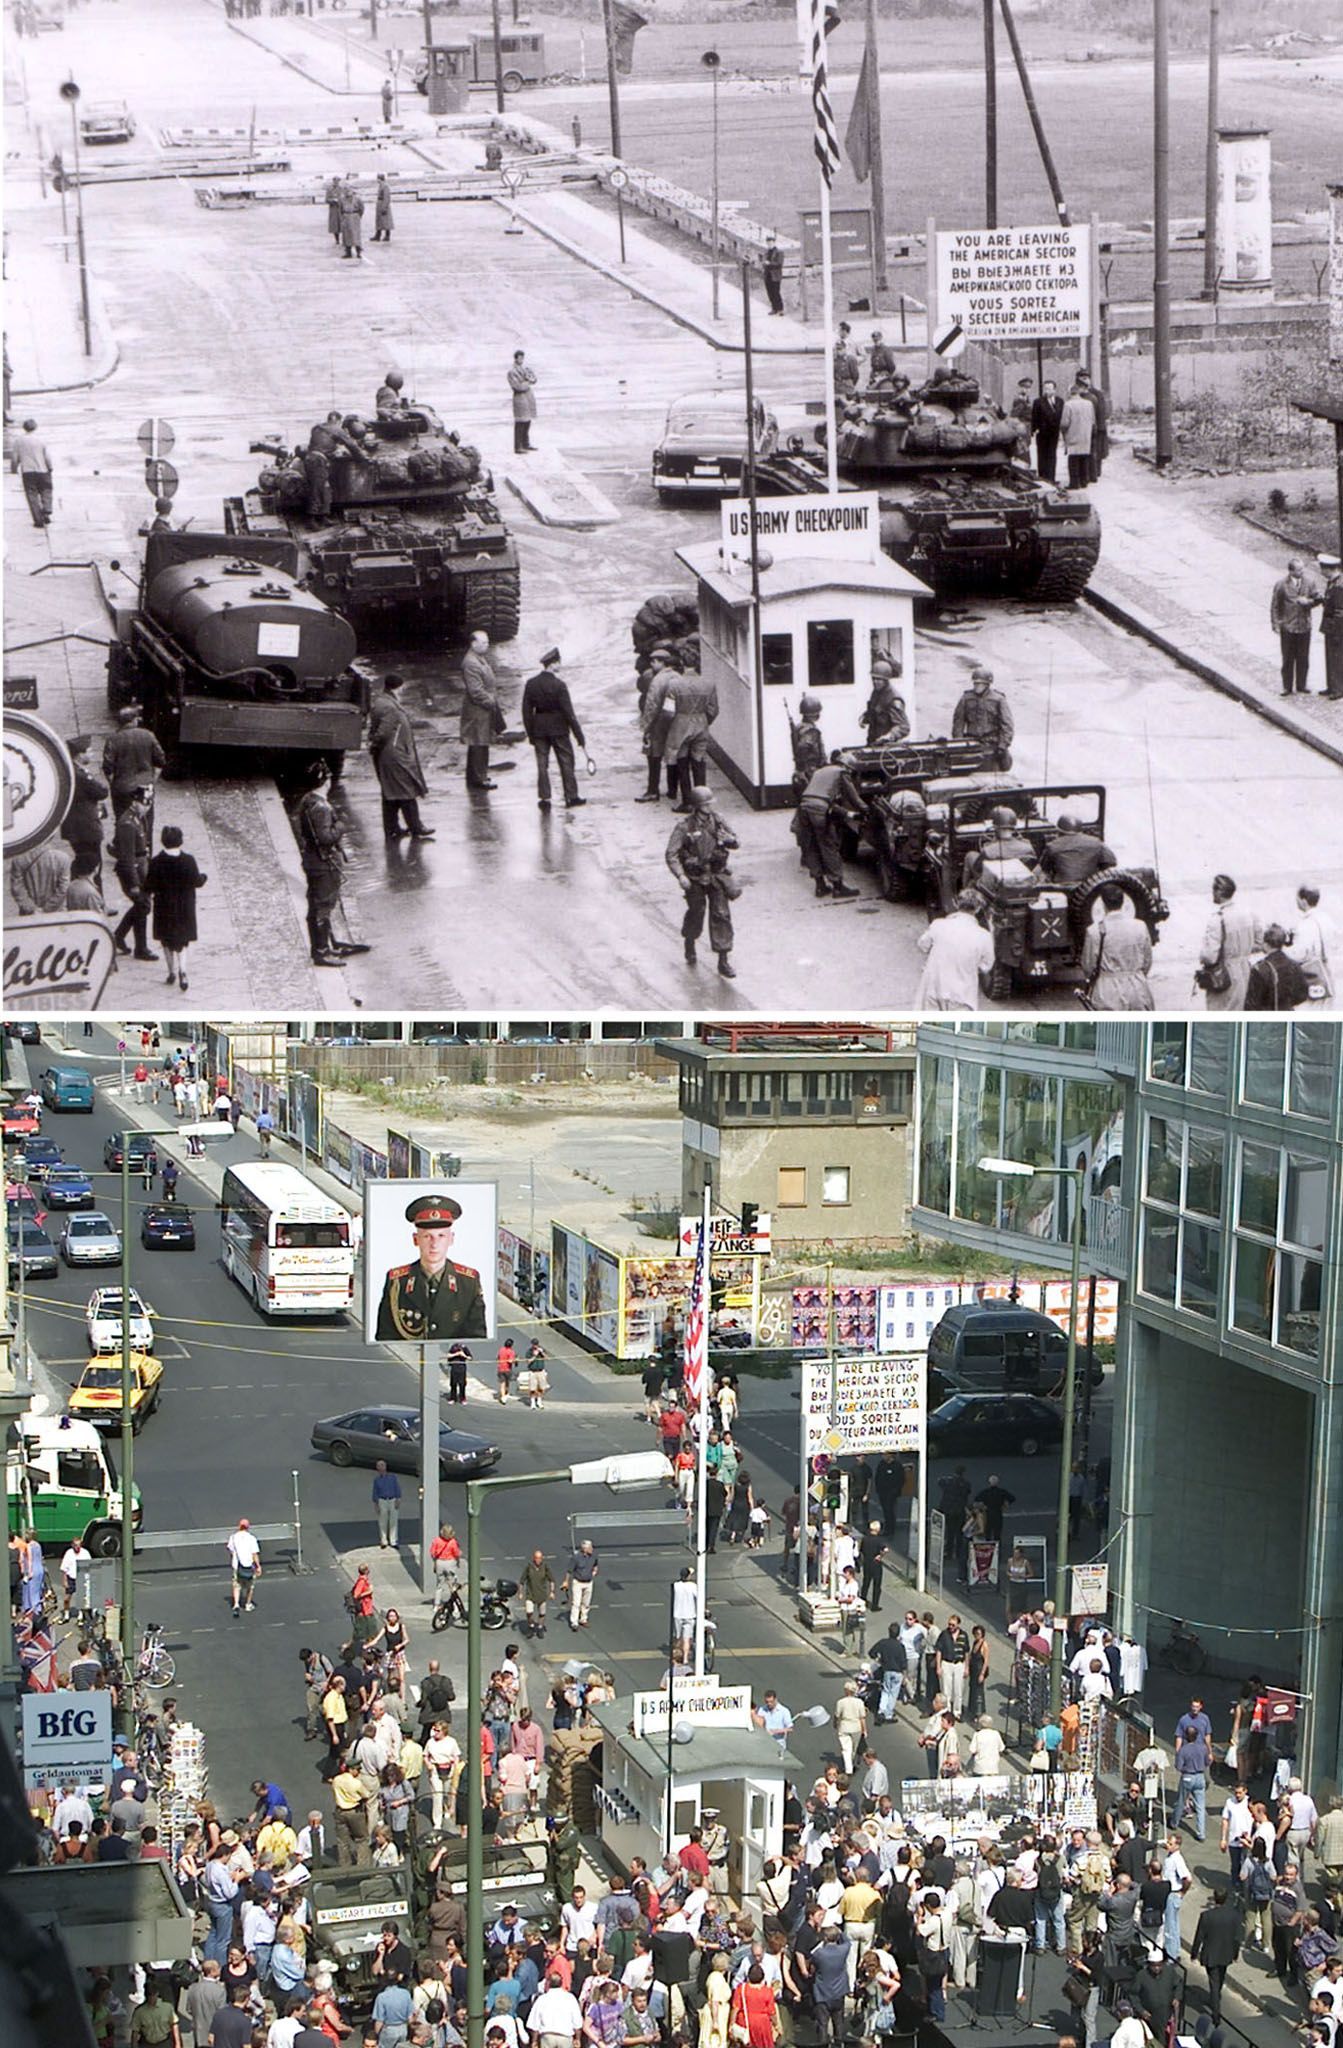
(824, 19)
(697, 1328)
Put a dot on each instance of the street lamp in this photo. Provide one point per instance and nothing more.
(711, 62)
(1017, 1169)
(70, 92)
(620, 1475)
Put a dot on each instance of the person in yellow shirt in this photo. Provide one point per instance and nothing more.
(351, 1818)
(277, 1839)
(335, 1718)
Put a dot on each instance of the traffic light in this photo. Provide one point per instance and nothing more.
(750, 1217)
(834, 1490)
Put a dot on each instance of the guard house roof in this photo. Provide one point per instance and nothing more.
(710, 1753)
(795, 575)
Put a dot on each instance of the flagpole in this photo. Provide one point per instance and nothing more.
(826, 149)
(872, 59)
(702, 1461)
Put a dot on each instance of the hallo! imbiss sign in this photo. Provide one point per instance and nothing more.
(846, 526)
(1031, 284)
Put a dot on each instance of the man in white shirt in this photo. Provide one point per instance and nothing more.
(386, 1735)
(1130, 2033)
(1096, 1680)
(1305, 1820)
(556, 2021)
(1180, 1879)
(694, 1906)
(1237, 1828)
(284, 2032)
(75, 1560)
(914, 1637)
(685, 1607)
(579, 1920)
(311, 1846)
(258, 1934)
(72, 1805)
(245, 1556)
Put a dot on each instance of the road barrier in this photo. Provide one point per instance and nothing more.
(634, 1525)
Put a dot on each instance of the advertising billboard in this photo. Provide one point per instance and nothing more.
(430, 1260)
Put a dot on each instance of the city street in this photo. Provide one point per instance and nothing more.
(237, 322)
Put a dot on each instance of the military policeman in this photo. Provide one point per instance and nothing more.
(697, 854)
(433, 1297)
(809, 751)
(818, 826)
(982, 714)
(1074, 855)
(884, 715)
(1005, 841)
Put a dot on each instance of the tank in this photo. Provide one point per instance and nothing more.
(413, 532)
(224, 647)
(960, 506)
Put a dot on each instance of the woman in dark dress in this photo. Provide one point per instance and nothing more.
(171, 882)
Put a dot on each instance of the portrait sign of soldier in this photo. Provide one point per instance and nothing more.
(430, 1262)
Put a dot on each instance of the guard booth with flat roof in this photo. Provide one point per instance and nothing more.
(665, 1762)
(831, 603)
(449, 76)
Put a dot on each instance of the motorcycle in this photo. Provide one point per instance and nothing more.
(451, 1610)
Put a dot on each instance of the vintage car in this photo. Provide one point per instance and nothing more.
(702, 452)
(106, 121)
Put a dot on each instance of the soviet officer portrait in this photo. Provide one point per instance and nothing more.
(432, 1295)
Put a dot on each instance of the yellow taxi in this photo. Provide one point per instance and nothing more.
(96, 1395)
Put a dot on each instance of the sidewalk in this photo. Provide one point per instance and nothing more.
(43, 323)
(1170, 574)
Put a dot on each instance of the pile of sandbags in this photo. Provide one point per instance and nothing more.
(572, 1784)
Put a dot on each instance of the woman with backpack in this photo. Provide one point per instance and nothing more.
(1257, 1879)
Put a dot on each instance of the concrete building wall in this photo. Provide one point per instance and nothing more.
(1215, 1473)
(759, 1164)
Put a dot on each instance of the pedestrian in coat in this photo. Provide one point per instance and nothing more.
(82, 829)
(1230, 937)
(1046, 425)
(550, 723)
(322, 852)
(697, 854)
(687, 742)
(333, 190)
(1289, 611)
(772, 268)
(130, 848)
(388, 100)
(1276, 982)
(481, 717)
(1117, 957)
(382, 210)
(171, 881)
(522, 384)
(396, 763)
(1100, 406)
(132, 757)
(1217, 1943)
(656, 708)
(1078, 429)
(30, 457)
(956, 951)
(1331, 625)
(351, 223)
(40, 880)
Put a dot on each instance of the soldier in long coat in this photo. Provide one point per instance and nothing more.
(396, 763)
(480, 710)
(382, 210)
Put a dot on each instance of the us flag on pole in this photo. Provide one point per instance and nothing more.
(696, 1377)
(824, 20)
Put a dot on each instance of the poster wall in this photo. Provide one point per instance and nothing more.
(430, 1260)
(398, 1155)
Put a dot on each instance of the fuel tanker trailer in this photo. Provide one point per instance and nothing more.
(225, 648)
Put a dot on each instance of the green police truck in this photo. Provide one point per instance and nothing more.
(61, 1483)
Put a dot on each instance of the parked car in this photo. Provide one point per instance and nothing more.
(102, 1320)
(106, 121)
(1005, 1347)
(702, 452)
(992, 1425)
(364, 1435)
(96, 1395)
(143, 1152)
(90, 1239)
(38, 1253)
(168, 1224)
(25, 1029)
(68, 1187)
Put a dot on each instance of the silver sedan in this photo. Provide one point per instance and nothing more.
(88, 1239)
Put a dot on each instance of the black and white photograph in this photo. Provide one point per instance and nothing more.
(430, 1260)
(387, 392)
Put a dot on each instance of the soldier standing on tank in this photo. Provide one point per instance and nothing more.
(332, 195)
(884, 715)
(809, 749)
(382, 210)
(697, 854)
(818, 826)
(351, 223)
(983, 714)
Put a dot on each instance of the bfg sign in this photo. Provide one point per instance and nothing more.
(66, 1736)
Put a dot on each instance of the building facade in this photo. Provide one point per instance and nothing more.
(813, 1125)
(1213, 1192)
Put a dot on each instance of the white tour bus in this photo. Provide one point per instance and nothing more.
(288, 1246)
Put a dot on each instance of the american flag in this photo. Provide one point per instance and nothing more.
(824, 20)
(696, 1377)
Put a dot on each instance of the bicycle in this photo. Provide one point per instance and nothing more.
(494, 1610)
(154, 1666)
(1182, 1651)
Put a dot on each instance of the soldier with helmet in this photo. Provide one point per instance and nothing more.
(432, 1296)
(983, 714)
(818, 825)
(322, 852)
(388, 399)
(809, 749)
(1005, 841)
(697, 854)
(884, 715)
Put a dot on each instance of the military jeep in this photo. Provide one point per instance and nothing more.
(349, 1909)
(1038, 927)
(894, 778)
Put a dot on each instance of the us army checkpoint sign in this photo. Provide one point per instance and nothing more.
(1000, 284)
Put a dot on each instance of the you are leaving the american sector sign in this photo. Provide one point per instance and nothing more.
(1030, 284)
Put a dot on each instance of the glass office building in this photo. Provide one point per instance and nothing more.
(1212, 1190)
